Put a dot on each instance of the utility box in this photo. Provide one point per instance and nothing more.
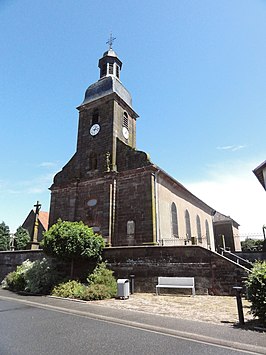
(123, 288)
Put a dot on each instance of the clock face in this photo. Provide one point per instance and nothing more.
(95, 129)
(125, 132)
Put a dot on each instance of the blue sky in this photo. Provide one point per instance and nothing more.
(196, 72)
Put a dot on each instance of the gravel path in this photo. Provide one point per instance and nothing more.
(212, 309)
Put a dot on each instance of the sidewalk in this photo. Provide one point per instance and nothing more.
(225, 334)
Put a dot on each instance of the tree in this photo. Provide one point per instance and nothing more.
(249, 245)
(4, 236)
(72, 240)
(22, 238)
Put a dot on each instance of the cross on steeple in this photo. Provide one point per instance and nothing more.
(110, 41)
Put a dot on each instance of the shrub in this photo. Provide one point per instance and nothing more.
(256, 284)
(70, 289)
(97, 292)
(102, 285)
(41, 277)
(15, 280)
(103, 276)
(36, 277)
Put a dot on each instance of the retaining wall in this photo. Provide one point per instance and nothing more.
(213, 273)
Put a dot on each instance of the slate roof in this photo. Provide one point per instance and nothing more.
(107, 86)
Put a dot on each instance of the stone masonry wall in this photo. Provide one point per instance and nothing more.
(213, 273)
(134, 202)
(9, 260)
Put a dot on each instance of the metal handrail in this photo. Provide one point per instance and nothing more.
(237, 257)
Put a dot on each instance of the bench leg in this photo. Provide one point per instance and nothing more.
(193, 292)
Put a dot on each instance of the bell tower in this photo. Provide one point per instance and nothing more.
(100, 183)
(105, 115)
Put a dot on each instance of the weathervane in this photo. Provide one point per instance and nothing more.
(110, 41)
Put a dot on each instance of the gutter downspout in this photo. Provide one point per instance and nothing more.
(113, 209)
(112, 212)
(110, 215)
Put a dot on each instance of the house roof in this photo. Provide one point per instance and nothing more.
(44, 219)
(29, 221)
(258, 171)
(219, 217)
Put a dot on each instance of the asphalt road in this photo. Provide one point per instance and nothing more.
(29, 330)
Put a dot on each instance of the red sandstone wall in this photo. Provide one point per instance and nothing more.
(213, 273)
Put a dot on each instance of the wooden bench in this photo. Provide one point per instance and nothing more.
(175, 282)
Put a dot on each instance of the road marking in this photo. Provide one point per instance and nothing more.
(203, 339)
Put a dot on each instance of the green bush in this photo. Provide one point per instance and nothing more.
(97, 292)
(102, 285)
(41, 277)
(256, 284)
(36, 277)
(70, 289)
(102, 275)
(15, 280)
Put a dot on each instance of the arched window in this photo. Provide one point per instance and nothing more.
(207, 232)
(174, 220)
(199, 229)
(188, 226)
(93, 163)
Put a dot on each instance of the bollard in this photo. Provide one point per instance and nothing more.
(132, 283)
(239, 304)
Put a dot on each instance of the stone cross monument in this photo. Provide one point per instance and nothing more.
(34, 239)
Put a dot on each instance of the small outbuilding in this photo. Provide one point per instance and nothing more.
(226, 233)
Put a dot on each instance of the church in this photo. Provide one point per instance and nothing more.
(115, 188)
